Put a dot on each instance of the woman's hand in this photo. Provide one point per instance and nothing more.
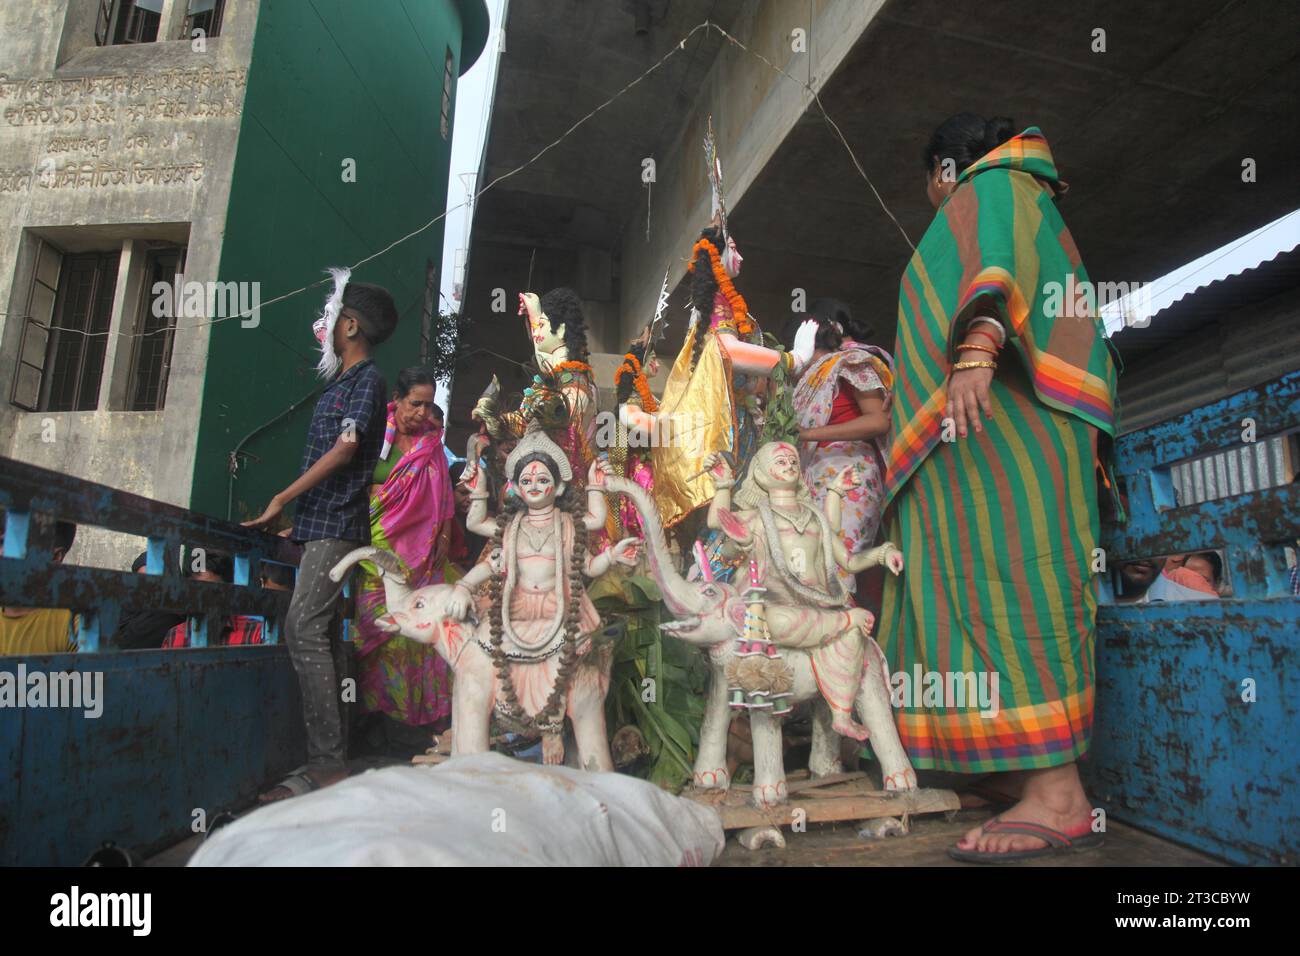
(968, 395)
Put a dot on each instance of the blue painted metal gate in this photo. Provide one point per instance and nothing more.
(1198, 703)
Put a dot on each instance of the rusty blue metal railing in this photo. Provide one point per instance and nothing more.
(181, 734)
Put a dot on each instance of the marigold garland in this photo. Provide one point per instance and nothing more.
(739, 310)
(573, 366)
(631, 364)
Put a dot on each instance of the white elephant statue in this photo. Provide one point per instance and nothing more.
(711, 615)
(423, 615)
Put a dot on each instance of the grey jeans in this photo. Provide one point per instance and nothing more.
(312, 647)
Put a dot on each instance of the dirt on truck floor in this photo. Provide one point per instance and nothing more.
(838, 844)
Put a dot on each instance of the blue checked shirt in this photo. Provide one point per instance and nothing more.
(339, 507)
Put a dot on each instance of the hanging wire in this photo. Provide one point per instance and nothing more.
(676, 48)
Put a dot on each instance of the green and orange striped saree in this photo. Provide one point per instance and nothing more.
(998, 529)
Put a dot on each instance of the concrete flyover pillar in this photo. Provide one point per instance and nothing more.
(753, 108)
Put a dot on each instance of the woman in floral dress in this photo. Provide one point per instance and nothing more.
(842, 403)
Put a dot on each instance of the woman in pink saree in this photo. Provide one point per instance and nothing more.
(411, 512)
(841, 401)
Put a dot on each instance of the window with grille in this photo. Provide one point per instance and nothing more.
(146, 389)
(78, 334)
(38, 319)
(128, 21)
(1268, 462)
(205, 15)
(448, 77)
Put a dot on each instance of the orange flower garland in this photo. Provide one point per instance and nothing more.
(739, 310)
(633, 365)
(572, 367)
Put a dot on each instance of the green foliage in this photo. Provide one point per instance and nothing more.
(444, 336)
(657, 685)
(780, 421)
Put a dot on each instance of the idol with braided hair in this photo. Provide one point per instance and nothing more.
(541, 621)
(563, 388)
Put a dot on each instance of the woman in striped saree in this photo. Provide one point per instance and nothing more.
(1003, 384)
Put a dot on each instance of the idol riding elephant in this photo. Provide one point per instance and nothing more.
(822, 647)
(524, 648)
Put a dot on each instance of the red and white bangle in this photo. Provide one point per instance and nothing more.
(994, 323)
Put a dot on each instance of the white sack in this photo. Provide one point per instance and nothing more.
(479, 810)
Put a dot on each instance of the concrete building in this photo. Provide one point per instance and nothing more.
(243, 145)
(1175, 123)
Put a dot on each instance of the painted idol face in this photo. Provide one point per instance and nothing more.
(536, 485)
(545, 339)
(731, 258)
(783, 469)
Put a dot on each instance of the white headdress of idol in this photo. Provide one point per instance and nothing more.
(536, 440)
(330, 361)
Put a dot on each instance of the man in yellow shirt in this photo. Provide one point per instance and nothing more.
(42, 630)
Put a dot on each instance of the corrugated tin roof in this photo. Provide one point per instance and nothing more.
(1213, 301)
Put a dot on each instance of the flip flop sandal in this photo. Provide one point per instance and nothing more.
(1057, 842)
(296, 783)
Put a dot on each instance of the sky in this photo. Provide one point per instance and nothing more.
(1244, 252)
(469, 128)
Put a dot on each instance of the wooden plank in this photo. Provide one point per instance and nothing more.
(737, 813)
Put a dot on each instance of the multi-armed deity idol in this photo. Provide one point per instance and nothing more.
(523, 647)
(558, 331)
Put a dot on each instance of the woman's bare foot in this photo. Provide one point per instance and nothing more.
(1052, 797)
(994, 790)
(318, 778)
(552, 749)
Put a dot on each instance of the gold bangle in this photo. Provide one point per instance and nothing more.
(962, 366)
(977, 348)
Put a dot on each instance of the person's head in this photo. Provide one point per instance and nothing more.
(414, 399)
(208, 565)
(1139, 574)
(839, 314)
(277, 577)
(459, 491)
(1207, 564)
(828, 337)
(369, 316)
(140, 564)
(356, 318)
(536, 480)
(956, 143)
(53, 536)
